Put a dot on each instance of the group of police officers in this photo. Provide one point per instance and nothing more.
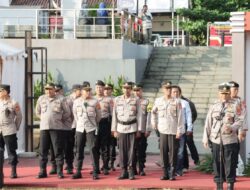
(68, 123)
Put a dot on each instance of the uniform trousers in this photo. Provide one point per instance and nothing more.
(140, 152)
(168, 150)
(56, 138)
(104, 140)
(229, 162)
(11, 144)
(69, 142)
(112, 148)
(126, 142)
(192, 149)
(69, 147)
(91, 139)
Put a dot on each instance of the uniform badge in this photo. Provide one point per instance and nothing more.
(17, 108)
(98, 106)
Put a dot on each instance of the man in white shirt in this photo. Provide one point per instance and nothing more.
(146, 17)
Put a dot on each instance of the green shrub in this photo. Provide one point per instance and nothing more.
(206, 164)
(117, 91)
(247, 167)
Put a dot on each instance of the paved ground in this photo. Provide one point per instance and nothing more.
(28, 169)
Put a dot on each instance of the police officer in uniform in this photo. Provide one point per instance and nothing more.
(53, 112)
(87, 113)
(104, 134)
(126, 126)
(141, 142)
(167, 118)
(59, 92)
(10, 121)
(70, 135)
(234, 90)
(221, 126)
(108, 90)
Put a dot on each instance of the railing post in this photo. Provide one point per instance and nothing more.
(74, 23)
(113, 24)
(37, 22)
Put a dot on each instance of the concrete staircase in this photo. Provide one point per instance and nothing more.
(197, 70)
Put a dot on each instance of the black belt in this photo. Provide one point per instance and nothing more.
(128, 122)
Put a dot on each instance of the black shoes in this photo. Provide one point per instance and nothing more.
(219, 186)
(69, 170)
(105, 171)
(95, 176)
(53, 170)
(77, 175)
(13, 172)
(42, 174)
(230, 186)
(124, 175)
(142, 173)
(131, 174)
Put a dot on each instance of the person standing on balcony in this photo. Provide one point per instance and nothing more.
(10, 121)
(102, 14)
(147, 18)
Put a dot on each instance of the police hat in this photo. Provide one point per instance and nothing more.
(166, 84)
(5, 87)
(234, 84)
(86, 85)
(224, 88)
(128, 85)
(76, 87)
(137, 87)
(100, 83)
(108, 86)
(49, 86)
(58, 87)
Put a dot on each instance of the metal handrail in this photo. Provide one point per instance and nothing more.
(66, 21)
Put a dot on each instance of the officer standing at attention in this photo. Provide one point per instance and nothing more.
(234, 90)
(221, 127)
(108, 90)
(10, 121)
(87, 113)
(59, 92)
(70, 135)
(126, 127)
(141, 142)
(104, 134)
(167, 117)
(53, 112)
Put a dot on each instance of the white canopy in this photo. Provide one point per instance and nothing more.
(4, 3)
(13, 73)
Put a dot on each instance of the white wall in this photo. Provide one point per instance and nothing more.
(248, 90)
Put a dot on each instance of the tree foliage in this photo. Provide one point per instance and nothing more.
(204, 11)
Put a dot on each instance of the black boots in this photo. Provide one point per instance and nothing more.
(124, 174)
(53, 170)
(13, 172)
(230, 186)
(60, 172)
(112, 166)
(171, 173)
(77, 175)
(165, 174)
(131, 174)
(69, 168)
(42, 173)
(219, 186)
